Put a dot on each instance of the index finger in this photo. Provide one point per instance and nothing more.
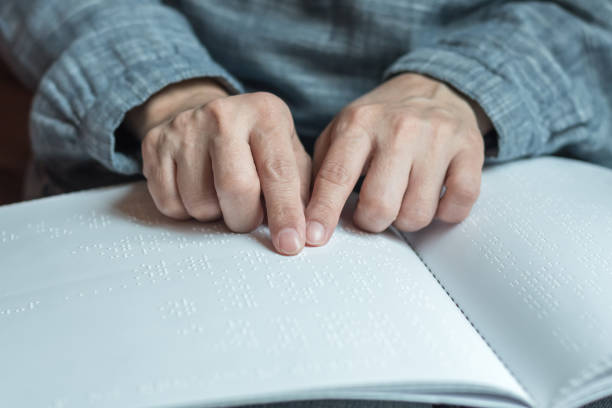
(337, 175)
(279, 175)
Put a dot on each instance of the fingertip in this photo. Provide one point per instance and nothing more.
(288, 241)
(315, 233)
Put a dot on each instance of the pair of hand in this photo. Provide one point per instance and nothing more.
(208, 155)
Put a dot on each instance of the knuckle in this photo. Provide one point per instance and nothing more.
(335, 173)
(204, 209)
(404, 124)
(453, 214)
(234, 187)
(374, 215)
(445, 127)
(217, 107)
(243, 226)
(357, 116)
(377, 209)
(170, 207)
(464, 189)
(277, 169)
(164, 202)
(268, 104)
(267, 100)
(218, 112)
(183, 120)
(414, 219)
(437, 122)
(200, 116)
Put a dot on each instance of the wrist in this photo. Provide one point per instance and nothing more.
(170, 101)
(424, 84)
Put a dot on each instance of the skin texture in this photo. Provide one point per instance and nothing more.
(409, 137)
(208, 155)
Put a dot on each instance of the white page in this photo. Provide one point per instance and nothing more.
(532, 269)
(105, 302)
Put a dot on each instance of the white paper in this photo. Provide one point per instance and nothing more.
(105, 302)
(532, 268)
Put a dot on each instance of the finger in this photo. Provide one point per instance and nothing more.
(334, 181)
(304, 164)
(422, 196)
(236, 183)
(279, 176)
(195, 181)
(160, 171)
(462, 187)
(383, 189)
(321, 146)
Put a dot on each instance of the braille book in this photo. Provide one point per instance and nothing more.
(104, 302)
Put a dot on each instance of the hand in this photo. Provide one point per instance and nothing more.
(410, 136)
(208, 155)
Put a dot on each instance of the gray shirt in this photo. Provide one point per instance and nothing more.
(540, 70)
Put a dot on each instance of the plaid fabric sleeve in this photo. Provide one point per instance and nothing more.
(91, 62)
(540, 71)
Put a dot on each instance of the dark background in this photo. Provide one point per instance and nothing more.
(14, 141)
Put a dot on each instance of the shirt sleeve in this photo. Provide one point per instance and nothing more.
(540, 71)
(90, 62)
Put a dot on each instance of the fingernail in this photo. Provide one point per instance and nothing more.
(315, 233)
(288, 241)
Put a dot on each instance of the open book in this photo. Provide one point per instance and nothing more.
(105, 302)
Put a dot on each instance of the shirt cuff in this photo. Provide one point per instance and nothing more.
(117, 61)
